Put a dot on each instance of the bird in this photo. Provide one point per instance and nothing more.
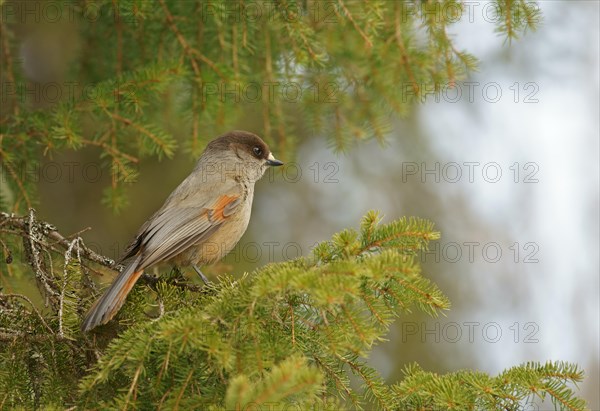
(199, 223)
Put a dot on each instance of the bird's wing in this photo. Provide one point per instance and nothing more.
(174, 229)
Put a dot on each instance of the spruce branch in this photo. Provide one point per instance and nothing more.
(287, 333)
(310, 51)
(368, 42)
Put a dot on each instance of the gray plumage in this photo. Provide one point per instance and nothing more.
(200, 222)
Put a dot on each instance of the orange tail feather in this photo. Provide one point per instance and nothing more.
(105, 308)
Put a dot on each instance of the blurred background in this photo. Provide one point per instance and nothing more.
(506, 164)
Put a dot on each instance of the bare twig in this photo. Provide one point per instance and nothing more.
(48, 231)
(33, 249)
(45, 236)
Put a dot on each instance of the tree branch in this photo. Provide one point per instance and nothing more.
(44, 236)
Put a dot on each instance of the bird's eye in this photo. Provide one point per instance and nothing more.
(257, 151)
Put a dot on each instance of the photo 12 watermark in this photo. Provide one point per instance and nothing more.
(92, 172)
(271, 91)
(471, 92)
(491, 252)
(467, 10)
(469, 172)
(470, 332)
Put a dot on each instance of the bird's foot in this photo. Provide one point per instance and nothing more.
(200, 274)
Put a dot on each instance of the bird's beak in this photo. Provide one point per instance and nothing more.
(272, 161)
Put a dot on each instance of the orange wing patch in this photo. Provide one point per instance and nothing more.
(221, 208)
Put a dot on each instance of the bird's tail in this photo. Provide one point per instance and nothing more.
(111, 301)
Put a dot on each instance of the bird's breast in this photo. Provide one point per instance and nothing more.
(222, 240)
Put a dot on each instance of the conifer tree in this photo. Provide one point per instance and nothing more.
(289, 335)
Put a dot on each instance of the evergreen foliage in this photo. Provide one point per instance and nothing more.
(291, 335)
(345, 66)
(287, 334)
